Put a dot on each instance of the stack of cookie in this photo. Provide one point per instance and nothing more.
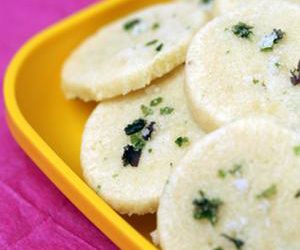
(198, 119)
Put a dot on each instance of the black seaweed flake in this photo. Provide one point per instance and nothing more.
(147, 131)
(139, 134)
(238, 243)
(131, 156)
(295, 78)
(135, 127)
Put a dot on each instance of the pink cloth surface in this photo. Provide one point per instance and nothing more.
(33, 212)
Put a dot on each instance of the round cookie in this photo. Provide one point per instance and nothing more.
(128, 54)
(130, 144)
(238, 188)
(206, 5)
(246, 63)
(225, 6)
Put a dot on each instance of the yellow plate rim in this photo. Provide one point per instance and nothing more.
(113, 225)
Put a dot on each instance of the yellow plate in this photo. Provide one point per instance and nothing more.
(49, 128)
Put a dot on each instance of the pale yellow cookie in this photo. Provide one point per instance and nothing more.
(225, 6)
(128, 54)
(238, 188)
(208, 6)
(245, 63)
(128, 187)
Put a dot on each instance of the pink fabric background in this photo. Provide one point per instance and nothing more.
(33, 213)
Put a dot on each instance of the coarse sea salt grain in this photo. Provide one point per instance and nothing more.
(248, 79)
(237, 225)
(140, 28)
(268, 222)
(241, 185)
(264, 206)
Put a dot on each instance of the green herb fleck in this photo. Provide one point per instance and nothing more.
(155, 26)
(182, 141)
(268, 193)
(159, 47)
(135, 127)
(98, 189)
(242, 30)
(297, 150)
(129, 25)
(297, 195)
(115, 176)
(218, 248)
(237, 168)
(166, 110)
(171, 164)
(146, 110)
(150, 150)
(238, 243)
(151, 42)
(205, 1)
(156, 101)
(277, 64)
(256, 81)
(137, 141)
(227, 52)
(205, 208)
(222, 173)
(268, 41)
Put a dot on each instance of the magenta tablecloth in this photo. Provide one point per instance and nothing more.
(33, 213)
